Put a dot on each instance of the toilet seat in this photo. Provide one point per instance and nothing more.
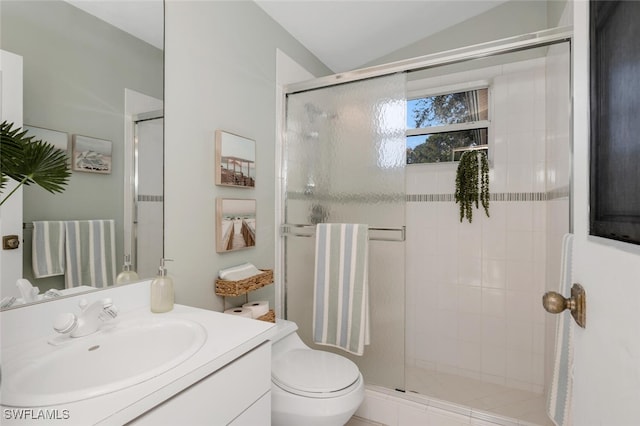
(314, 374)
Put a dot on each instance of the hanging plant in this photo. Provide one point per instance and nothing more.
(472, 183)
(30, 161)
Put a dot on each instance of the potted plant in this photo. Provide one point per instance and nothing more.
(30, 161)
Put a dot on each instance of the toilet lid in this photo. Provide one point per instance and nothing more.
(311, 371)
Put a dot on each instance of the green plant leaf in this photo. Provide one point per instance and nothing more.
(27, 161)
(473, 171)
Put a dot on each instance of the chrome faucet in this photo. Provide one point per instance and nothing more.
(88, 321)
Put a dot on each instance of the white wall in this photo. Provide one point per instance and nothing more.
(511, 18)
(474, 289)
(11, 211)
(607, 352)
(220, 74)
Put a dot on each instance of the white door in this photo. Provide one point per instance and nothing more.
(11, 210)
(607, 352)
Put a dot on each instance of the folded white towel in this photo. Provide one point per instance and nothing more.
(239, 272)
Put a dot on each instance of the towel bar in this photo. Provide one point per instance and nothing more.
(309, 231)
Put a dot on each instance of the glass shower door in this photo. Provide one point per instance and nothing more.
(149, 196)
(344, 162)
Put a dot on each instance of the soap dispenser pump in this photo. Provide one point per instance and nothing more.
(162, 290)
(127, 275)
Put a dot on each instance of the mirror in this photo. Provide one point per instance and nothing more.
(95, 83)
(235, 224)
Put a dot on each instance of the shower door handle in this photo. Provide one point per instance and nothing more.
(556, 303)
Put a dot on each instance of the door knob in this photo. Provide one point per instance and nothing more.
(556, 303)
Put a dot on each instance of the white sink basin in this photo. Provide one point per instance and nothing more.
(127, 353)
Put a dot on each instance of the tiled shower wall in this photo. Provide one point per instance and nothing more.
(474, 289)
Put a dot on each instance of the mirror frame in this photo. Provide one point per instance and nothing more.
(40, 123)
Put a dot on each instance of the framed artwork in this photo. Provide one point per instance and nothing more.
(235, 224)
(57, 139)
(90, 155)
(235, 160)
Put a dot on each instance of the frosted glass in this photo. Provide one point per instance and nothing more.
(344, 161)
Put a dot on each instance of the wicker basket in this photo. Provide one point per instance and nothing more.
(238, 288)
(268, 317)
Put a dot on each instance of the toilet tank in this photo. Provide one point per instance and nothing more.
(284, 338)
(282, 329)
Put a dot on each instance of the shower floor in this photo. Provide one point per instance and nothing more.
(491, 398)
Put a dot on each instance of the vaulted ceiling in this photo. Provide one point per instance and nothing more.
(344, 34)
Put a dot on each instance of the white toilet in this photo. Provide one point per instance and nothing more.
(310, 387)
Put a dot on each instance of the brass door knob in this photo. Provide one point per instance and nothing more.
(556, 303)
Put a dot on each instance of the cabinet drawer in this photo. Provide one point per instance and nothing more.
(220, 397)
(259, 414)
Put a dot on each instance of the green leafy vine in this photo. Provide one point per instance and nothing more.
(472, 183)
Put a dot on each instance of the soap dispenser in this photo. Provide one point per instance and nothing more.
(162, 290)
(127, 275)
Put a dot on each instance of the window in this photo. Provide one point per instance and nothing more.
(615, 151)
(441, 127)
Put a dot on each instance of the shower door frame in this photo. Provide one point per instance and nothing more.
(527, 41)
(136, 119)
(524, 42)
(532, 40)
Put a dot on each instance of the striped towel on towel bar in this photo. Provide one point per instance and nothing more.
(47, 253)
(341, 293)
(90, 253)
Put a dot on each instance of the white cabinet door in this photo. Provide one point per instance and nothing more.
(220, 398)
(259, 414)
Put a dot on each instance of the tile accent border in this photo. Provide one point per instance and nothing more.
(151, 198)
(496, 196)
(553, 194)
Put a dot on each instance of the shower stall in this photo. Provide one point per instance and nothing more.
(148, 193)
(455, 309)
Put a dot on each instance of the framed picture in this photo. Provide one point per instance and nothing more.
(235, 160)
(90, 155)
(57, 139)
(235, 224)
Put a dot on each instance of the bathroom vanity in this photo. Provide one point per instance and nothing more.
(187, 366)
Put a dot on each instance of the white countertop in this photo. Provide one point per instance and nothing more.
(228, 337)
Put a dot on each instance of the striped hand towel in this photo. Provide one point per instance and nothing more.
(341, 300)
(560, 393)
(48, 248)
(90, 253)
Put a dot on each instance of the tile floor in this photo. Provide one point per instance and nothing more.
(518, 404)
(358, 421)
